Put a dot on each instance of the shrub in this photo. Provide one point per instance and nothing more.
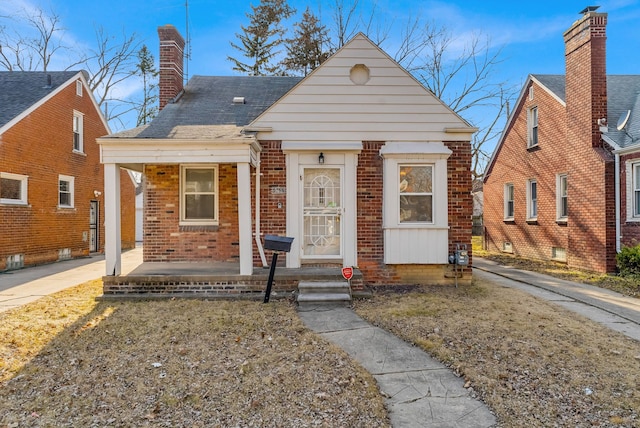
(628, 261)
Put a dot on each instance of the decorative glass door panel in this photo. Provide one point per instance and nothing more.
(321, 212)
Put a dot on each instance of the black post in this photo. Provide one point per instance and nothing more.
(274, 260)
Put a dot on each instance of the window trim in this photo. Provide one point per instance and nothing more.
(71, 180)
(560, 215)
(400, 193)
(533, 120)
(509, 216)
(532, 202)
(78, 118)
(216, 211)
(633, 190)
(79, 88)
(24, 189)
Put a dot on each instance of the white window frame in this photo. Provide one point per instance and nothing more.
(532, 199)
(24, 188)
(509, 197)
(71, 180)
(533, 137)
(78, 129)
(401, 193)
(633, 190)
(562, 192)
(216, 212)
(79, 88)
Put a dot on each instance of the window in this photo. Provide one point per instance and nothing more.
(562, 201)
(199, 195)
(65, 191)
(78, 144)
(636, 190)
(416, 193)
(13, 188)
(79, 88)
(508, 201)
(532, 125)
(532, 200)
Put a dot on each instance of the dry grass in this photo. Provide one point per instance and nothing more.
(534, 363)
(626, 286)
(69, 361)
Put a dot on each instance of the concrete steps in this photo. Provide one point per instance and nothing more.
(319, 292)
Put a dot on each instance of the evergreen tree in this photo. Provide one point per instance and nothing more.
(146, 69)
(259, 41)
(305, 51)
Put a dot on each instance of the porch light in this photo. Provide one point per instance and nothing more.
(321, 158)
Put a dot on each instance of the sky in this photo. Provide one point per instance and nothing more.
(529, 34)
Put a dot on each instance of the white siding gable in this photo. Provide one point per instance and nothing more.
(327, 106)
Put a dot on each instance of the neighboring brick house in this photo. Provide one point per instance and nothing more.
(562, 184)
(358, 162)
(51, 179)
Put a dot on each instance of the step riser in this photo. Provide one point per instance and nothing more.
(323, 292)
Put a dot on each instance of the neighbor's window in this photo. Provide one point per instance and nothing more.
(508, 201)
(13, 188)
(562, 202)
(532, 199)
(532, 124)
(416, 193)
(199, 195)
(65, 191)
(78, 144)
(636, 190)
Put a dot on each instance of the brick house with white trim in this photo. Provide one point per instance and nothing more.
(51, 179)
(564, 181)
(358, 162)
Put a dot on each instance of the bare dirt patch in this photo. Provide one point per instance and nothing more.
(534, 363)
(69, 361)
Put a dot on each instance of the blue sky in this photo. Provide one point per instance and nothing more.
(529, 33)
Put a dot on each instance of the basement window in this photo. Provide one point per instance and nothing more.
(559, 254)
(507, 247)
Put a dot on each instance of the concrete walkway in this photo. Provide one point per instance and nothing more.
(419, 391)
(18, 287)
(611, 309)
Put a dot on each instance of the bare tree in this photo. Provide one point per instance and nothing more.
(41, 40)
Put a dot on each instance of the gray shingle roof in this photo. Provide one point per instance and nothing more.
(623, 93)
(208, 102)
(19, 90)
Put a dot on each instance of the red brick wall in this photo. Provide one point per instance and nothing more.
(40, 146)
(166, 240)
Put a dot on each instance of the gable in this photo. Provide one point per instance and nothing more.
(359, 94)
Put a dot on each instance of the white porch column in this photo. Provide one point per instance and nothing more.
(112, 241)
(244, 219)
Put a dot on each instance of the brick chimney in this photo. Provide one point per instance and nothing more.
(586, 76)
(171, 64)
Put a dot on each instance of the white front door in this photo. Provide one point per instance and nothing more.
(321, 212)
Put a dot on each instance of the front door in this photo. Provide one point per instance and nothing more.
(321, 212)
(94, 215)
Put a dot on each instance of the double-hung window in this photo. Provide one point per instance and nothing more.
(199, 195)
(562, 200)
(636, 190)
(508, 201)
(13, 188)
(78, 131)
(532, 126)
(65, 191)
(532, 200)
(416, 193)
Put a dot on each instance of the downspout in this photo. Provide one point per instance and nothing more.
(257, 234)
(616, 148)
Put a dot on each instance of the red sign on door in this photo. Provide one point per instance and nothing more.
(347, 272)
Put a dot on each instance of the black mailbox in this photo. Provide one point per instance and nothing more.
(277, 243)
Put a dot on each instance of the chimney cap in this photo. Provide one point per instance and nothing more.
(589, 9)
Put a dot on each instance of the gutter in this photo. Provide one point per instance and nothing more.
(616, 152)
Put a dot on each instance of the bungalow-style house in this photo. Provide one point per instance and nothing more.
(564, 181)
(358, 163)
(51, 179)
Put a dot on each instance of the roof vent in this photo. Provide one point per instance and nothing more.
(239, 100)
(49, 85)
